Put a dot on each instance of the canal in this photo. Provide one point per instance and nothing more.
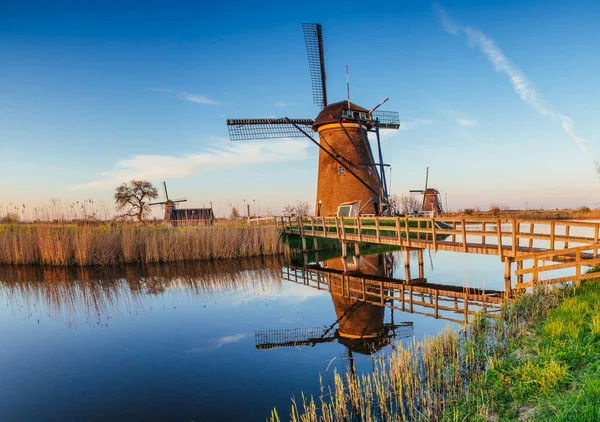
(214, 341)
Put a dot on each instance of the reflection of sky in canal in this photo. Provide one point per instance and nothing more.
(163, 346)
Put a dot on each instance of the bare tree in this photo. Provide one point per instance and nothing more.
(300, 209)
(303, 208)
(132, 199)
(409, 204)
(235, 214)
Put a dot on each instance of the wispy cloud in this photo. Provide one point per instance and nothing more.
(196, 98)
(283, 104)
(412, 124)
(525, 88)
(230, 339)
(466, 122)
(218, 343)
(186, 96)
(157, 167)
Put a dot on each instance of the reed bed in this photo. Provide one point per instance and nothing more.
(426, 380)
(70, 244)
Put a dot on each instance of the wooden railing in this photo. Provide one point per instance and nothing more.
(540, 271)
(504, 237)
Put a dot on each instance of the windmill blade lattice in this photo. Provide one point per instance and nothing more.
(253, 129)
(313, 37)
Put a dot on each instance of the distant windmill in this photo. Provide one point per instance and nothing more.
(169, 204)
(348, 173)
(431, 198)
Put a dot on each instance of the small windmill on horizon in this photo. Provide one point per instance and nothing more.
(350, 181)
(188, 216)
(431, 198)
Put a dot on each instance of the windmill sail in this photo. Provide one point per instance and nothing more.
(313, 37)
(252, 129)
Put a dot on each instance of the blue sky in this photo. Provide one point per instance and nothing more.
(499, 99)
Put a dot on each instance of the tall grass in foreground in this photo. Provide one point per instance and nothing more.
(427, 379)
(61, 245)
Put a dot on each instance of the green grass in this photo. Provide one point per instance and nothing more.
(551, 373)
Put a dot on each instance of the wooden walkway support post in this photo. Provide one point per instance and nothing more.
(407, 231)
(507, 275)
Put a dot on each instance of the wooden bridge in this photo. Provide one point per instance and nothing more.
(528, 244)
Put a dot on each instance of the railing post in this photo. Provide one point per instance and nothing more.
(342, 228)
(406, 229)
(312, 225)
(464, 234)
(324, 226)
(596, 232)
(434, 239)
(453, 231)
(519, 276)
(377, 229)
(483, 230)
(552, 230)
(531, 231)
(398, 231)
(567, 230)
(359, 228)
(578, 269)
(515, 241)
(535, 276)
(499, 234)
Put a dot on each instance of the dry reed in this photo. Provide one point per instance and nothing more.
(69, 244)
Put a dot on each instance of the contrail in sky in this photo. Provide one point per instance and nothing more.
(524, 88)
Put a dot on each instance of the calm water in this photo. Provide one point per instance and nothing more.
(197, 342)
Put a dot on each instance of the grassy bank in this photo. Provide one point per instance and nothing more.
(550, 373)
(539, 361)
(69, 244)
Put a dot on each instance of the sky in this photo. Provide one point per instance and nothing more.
(499, 99)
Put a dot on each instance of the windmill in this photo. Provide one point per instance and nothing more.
(431, 198)
(169, 204)
(348, 172)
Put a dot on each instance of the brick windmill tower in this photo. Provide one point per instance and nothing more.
(351, 180)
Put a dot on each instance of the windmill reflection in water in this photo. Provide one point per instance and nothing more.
(361, 290)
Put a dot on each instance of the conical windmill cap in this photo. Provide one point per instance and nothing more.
(329, 113)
